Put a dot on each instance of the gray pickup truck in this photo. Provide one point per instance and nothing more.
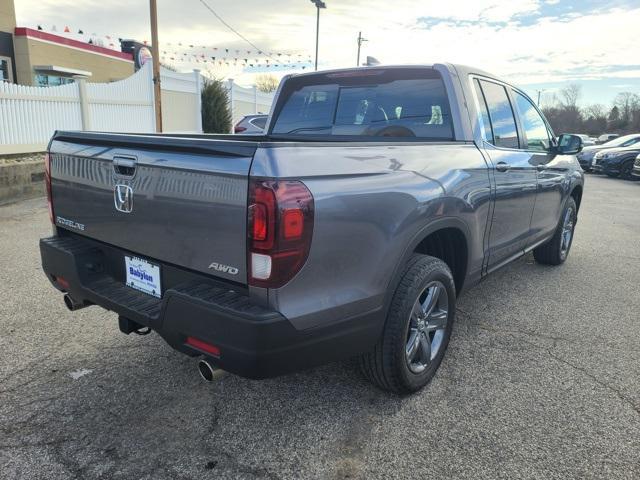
(375, 197)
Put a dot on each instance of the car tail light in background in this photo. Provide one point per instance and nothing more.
(280, 227)
(47, 181)
(238, 129)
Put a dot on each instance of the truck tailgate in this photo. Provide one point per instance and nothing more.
(177, 200)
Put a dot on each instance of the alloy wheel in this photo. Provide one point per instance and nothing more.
(427, 325)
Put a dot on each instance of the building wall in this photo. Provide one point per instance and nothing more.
(30, 52)
(7, 16)
(7, 26)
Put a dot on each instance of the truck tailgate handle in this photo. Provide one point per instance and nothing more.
(502, 166)
(125, 166)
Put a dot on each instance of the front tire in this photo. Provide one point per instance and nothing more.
(625, 171)
(556, 250)
(417, 330)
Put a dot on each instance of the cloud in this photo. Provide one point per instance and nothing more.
(528, 41)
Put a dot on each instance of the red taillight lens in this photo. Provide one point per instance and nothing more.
(239, 129)
(293, 224)
(47, 182)
(280, 231)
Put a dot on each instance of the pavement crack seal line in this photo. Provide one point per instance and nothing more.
(557, 358)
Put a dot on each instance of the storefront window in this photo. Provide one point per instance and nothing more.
(5, 70)
(44, 80)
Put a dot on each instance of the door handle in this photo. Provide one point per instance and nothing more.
(124, 166)
(502, 166)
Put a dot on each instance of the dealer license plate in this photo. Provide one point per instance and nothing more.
(143, 275)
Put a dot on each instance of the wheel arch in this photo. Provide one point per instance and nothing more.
(450, 227)
(576, 194)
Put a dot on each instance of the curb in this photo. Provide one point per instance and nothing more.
(21, 180)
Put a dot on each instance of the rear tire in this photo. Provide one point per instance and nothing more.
(417, 330)
(556, 250)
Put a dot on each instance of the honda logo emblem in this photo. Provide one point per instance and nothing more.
(123, 198)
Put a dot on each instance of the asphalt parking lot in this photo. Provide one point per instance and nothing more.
(541, 380)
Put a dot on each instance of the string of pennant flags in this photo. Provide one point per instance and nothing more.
(208, 55)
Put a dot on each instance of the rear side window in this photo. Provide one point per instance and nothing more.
(259, 122)
(503, 123)
(487, 133)
(371, 103)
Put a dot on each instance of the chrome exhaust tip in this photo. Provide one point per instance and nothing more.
(72, 304)
(207, 371)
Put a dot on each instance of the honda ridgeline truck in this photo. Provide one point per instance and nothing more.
(375, 197)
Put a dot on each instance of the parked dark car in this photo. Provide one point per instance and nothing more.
(616, 162)
(636, 168)
(588, 152)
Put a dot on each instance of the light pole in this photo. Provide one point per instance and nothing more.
(360, 40)
(319, 4)
(155, 53)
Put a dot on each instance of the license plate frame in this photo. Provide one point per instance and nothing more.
(143, 275)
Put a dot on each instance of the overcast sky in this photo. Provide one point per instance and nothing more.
(539, 44)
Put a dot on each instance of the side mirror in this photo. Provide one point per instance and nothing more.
(568, 144)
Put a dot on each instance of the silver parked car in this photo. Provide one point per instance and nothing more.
(251, 125)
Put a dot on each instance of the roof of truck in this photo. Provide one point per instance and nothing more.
(457, 67)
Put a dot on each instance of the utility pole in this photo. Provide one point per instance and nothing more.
(155, 53)
(360, 40)
(319, 4)
(539, 92)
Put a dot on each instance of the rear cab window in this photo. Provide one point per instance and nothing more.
(378, 103)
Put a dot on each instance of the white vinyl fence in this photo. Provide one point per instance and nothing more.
(247, 101)
(30, 115)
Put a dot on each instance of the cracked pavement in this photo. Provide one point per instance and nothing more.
(541, 380)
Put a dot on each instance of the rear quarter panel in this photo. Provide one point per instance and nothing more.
(371, 202)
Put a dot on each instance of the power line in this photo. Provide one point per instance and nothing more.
(206, 5)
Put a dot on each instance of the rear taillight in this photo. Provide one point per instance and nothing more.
(47, 182)
(239, 129)
(280, 227)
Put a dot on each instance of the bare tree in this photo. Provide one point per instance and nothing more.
(597, 110)
(570, 96)
(594, 119)
(622, 117)
(267, 83)
(627, 103)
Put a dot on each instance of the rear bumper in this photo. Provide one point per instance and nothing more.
(254, 342)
